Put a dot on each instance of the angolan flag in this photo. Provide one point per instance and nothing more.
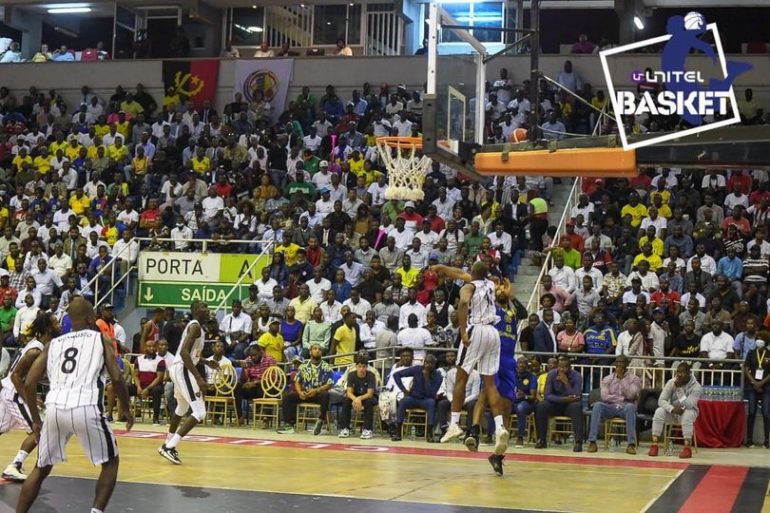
(194, 80)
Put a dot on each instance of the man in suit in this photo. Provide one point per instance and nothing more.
(206, 112)
(544, 338)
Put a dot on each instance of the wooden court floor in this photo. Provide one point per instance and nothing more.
(245, 470)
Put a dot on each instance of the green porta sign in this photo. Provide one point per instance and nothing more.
(180, 295)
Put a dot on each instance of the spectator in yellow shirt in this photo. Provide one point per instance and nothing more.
(131, 106)
(201, 164)
(118, 153)
(79, 202)
(288, 248)
(42, 162)
(101, 128)
(272, 341)
(72, 151)
(20, 159)
(407, 272)
(635, 209)
(648, 256)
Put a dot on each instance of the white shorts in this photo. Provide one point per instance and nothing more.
(14, 414)
(483, 352)
(88, 424)
(186, 390)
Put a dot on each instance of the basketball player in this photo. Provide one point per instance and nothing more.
(505, 379)
(14, 413)
(480, 345)
(188, 382)
(74, 364)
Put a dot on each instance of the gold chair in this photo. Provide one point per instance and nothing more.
(560, 426)
(267, 408)
(669, 437)
(225, 380)
(530, 434)
(615, 427)
(415, 417)
(308, 413)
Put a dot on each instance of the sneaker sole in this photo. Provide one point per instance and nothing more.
(498, 473)
(471, 444)
(14, 479)
(448, 437)
(501, 445)
(169, 458)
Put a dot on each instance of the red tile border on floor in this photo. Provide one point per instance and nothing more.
(717, 491)
(644, 462)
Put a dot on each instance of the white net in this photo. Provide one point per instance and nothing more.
(406, 171)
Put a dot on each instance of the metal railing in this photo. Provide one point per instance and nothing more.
(93, 284)
(595, 367)
(267, 247)
(534, 298)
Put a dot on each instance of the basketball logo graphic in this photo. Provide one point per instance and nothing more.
(694, 21)
(261, 80)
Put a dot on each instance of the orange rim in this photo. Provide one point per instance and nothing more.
(403, 142)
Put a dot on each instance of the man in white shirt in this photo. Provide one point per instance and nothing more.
(358, 305)
(212, 205)
(412, 307)
(181, 233)
(312, 141)
(419, 257)
(428, 238)
(563, 276)
(265, 285)
(325, 205)
(589, 270)
(126, 249)
(331, 308)
(47, 281)
(444, 205)
(59, 262)
(318, 285)
(717, 345)
(25, 316)
(237, 329)
(415, 336)
(352, 269)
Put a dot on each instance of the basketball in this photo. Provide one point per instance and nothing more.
(519, 135)
(694, 21)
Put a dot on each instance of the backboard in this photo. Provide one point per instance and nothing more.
(452, 111)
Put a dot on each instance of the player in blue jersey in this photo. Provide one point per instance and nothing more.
(505, 379)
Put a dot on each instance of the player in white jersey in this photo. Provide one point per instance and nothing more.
(477, 316)
(75, 365)
(189, 384)
(14, 413)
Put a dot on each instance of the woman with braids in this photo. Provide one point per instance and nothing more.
(13, 410)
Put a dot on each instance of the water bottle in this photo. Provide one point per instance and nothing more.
(613, 444)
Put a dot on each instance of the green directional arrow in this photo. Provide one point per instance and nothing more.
(148, 295)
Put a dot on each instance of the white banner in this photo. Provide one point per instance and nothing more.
(178, 266)
(270, 76)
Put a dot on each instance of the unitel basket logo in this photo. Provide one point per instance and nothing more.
(703, 101)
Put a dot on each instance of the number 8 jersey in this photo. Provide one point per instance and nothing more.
(76, 370)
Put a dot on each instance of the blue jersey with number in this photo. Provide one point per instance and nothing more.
(506, 375)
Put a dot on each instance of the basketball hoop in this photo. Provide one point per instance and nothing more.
(406, 171)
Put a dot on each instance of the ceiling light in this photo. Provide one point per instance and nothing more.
(253, 29)
(69, 10)
(302, 6)
(253, 6)
(638, 23)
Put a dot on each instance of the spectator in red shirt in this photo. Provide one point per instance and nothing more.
(222, 187)
(412, 220)
(740, 222)
(577, 241)
(250, 383)
(743, 178)
(6, 289)
(673, 297)
(149, 370)
(148, 218)
(436, 222)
